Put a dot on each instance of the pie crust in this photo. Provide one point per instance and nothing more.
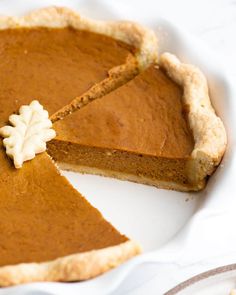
(76, 267)
(208, 130)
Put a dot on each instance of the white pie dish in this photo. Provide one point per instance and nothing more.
(153, 216)
(218, 281)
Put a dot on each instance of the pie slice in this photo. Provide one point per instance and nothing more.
(48, 231)
(159, 129)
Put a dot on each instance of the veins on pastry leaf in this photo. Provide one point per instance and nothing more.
(27, 136)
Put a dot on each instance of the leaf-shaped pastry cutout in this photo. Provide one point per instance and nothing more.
(27, 136)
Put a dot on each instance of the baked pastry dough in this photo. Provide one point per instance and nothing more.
(208, 130)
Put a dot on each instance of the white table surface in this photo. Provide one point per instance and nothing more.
(214, 22)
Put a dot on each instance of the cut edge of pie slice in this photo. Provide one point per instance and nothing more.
(143, 39)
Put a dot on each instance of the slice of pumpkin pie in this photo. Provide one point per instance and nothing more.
(158, 129)
(48, 231)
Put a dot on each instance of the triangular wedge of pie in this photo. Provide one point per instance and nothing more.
(48, 231)
(158, 129)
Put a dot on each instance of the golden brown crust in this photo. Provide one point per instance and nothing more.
(75, 267)
(208, 130)
(143, 39)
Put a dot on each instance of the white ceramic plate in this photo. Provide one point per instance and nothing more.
(218, 281)
(151, 216)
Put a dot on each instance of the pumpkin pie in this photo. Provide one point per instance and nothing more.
(48, 231)
(158, 129)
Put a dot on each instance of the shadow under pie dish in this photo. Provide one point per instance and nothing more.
(45, 56)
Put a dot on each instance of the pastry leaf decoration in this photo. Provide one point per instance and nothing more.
(27, 136)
